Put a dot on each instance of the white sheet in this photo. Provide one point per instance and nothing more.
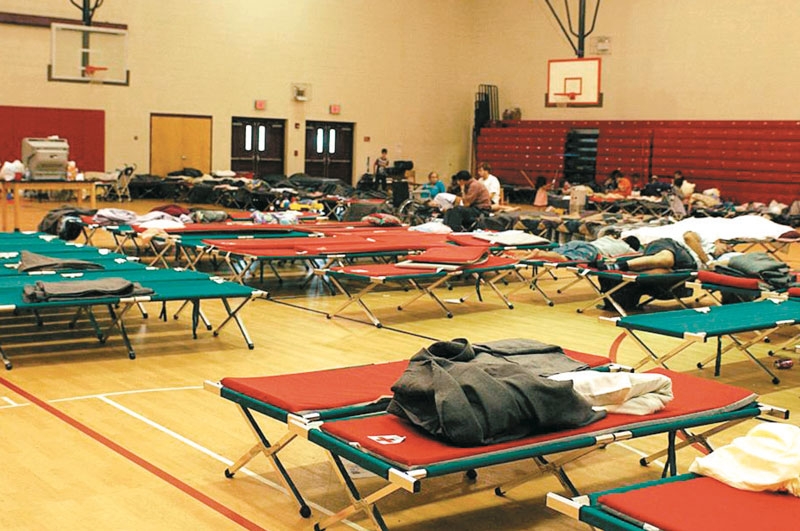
(712, 229)
(621, 392)
(766, 459)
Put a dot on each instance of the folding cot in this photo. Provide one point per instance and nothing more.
(311, 397)
(762, 317)
(770, 245)
(195, 241)
(166, 285)
(342, 411)
(321, 253)
(607, 284)
(718, 286)
(425, 273)
(546, 268)
(9, 260)
(193, 246)
(680, 503)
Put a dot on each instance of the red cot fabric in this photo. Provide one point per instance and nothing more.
(341, 387)
(707, 504)
(386, 270)
(321, 390)
(492, 261)
(453, 254)
(794, 292)
(693, 395)
(369, 245)
(727, 280)
(256, 244)
(467, 240)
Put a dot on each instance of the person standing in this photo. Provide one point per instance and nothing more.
(380, 169)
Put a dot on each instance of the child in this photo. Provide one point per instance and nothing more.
(540, 200)
(380, 168)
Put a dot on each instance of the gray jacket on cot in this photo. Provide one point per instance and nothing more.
(471, 397)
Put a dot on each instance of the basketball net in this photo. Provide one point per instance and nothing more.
(562, 99)
(95, 74)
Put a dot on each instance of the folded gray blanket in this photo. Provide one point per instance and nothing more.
(38, 262)
(82, 289)
(768, 269)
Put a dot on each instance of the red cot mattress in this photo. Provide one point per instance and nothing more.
(704, 503)
(693, 397)
(340, 387)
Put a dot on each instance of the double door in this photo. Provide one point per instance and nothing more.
(329, 150)
(257, 145)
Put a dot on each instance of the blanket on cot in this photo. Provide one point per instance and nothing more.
(83, 289)
(38, 262)
(470, 396)
(770, 271)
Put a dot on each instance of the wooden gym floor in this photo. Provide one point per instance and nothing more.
(93, 440)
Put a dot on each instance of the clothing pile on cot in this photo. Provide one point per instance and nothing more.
(478, 394)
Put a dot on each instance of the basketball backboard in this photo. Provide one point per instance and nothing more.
(573, 83)
(88, 54)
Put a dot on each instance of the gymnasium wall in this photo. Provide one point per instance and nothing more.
(406, 72)
(85, 131)
(670, 60)
(401, 79)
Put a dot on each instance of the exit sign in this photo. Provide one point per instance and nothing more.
(335, 108)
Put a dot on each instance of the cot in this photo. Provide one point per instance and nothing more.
(546, 268)
(425, 278)
(719, 286)
(10, 261)
(680, 503)
(698, 325)
(771, 245)
(321, 253)
(403, 456)
(312, 397)
(607, 284)
(168, 286)
(191, 247)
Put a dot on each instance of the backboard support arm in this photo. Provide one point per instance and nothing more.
(582, 32)
(88, 8)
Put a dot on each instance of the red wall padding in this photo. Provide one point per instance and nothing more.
(746, 160)
(85, 130)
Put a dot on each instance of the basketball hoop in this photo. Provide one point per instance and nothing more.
(95, 74)
(570, 95)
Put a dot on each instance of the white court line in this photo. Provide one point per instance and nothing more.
(639, 453)
(116, 393)
(123, 393)
(216, 456)
(104, 398)
(10, 402)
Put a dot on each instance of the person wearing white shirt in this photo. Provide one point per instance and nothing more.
(491, 182)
